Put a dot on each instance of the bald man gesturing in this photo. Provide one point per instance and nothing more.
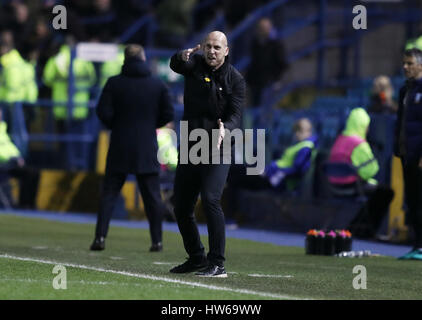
(213, 99)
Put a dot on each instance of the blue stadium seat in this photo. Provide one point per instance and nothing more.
(281, 130)
(330, 125)
(335, 103)
(343, 170)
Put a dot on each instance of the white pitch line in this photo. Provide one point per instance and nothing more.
(155, 278)
(164, 263)
(257, 275)
(100, 283)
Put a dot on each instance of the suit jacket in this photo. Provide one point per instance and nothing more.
(408, 131)
(133, 105)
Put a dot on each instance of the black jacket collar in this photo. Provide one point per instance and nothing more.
(222, 70)
(135, 68)
(413, 82)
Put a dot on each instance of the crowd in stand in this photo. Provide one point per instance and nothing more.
(107, 20)
(174, 22)
(35, 57)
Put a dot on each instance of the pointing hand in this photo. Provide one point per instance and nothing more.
(221, 133)
(186, 53)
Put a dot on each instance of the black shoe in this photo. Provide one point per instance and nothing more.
(156, 247)
(98, 244)
(213, 271)
(190, 265)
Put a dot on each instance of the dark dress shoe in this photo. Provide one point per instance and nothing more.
(190, 265)
(156, 247)
(98, 244)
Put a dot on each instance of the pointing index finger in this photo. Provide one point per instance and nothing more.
(195, 49)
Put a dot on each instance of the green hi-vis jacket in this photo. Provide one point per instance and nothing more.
(56, 76)
(17, 79)
(295, 161)
(112, 67)
(288, 158)
(7, 149)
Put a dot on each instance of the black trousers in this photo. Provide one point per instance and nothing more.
(412, 175)
(149, 187)
(208, 180)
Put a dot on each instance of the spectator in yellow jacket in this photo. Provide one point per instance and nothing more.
(73, 154)
(17, 76)
(56, 76)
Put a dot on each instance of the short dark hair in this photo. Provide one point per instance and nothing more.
(134, 51)
(414, 52)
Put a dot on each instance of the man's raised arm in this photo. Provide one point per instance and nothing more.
(182, 61)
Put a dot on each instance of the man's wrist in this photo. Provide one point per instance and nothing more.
(179, 55)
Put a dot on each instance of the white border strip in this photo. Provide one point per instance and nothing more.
(155, 278)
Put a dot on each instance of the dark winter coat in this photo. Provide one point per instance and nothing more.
(133, 105)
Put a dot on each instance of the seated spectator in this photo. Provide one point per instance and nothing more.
(382, 96)
(283, 174)
(352, 147)
(268, 62)
(286, 172)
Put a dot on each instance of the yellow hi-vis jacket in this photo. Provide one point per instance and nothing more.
(7, 149)
(17, 79)
(56, 76)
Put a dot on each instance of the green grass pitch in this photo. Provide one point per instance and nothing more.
(30, 248)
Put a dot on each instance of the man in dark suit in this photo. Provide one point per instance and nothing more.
(213, 100)
(408, 145)
(132, 105)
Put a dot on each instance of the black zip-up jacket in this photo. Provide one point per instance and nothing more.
(210, 95)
